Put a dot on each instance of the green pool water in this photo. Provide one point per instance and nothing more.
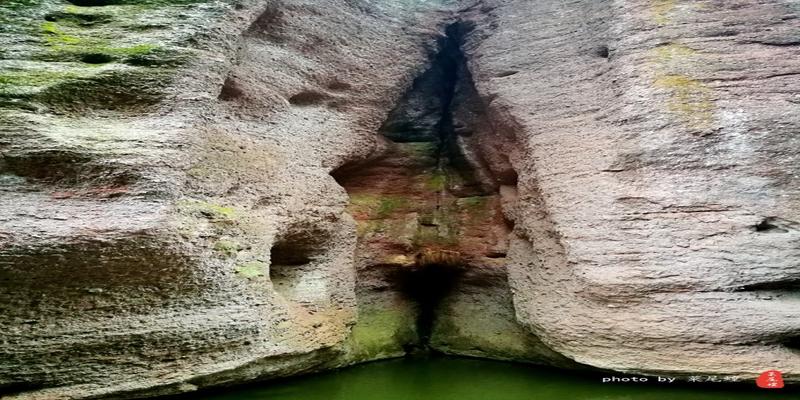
(442, 378)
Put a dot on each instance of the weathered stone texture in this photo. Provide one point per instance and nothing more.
(658, 196)
(168, 220)
(137, 237)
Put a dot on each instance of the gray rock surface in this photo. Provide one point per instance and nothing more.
(137, 238)
(168, 220)
(658, 178)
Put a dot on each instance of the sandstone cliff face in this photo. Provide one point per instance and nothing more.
(137, 235)
(608, 183)
(658, 191)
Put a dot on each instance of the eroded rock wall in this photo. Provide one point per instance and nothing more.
(622, 176)
(196, 239)
(658, 193)
(433, 231)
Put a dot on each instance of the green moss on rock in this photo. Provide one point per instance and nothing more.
(376, 206)
(251, 269)
(382, 332)
(479, 326)
(32, 78)
(150, 3)
(227, 248)
(389, 205)
(436, 181)
(53, 55)
(81, 45)
(424, 152)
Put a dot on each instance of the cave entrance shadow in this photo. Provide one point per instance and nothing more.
(426, 285)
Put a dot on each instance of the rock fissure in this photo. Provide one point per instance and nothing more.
(432, 222)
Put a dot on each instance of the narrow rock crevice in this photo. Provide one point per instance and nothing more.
(773, 225)
(432, 208)
(793, 343)
(784, 285)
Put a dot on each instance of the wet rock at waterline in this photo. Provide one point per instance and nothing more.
(204, 193)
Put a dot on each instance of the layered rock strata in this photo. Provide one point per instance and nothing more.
(196, 239)
(657, 214)
(202, 193)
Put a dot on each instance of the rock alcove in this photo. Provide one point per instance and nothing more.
(433, 226)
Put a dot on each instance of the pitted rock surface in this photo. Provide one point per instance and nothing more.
(169, 220)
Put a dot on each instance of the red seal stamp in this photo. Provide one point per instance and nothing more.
(771, 379)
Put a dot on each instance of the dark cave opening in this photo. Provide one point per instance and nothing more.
(793, 343)
(426, 115)
(426, 285)
(769, 225)
(96, 58)
(602, 51)
(95, 3)
(429, 285)
(786, 285)
(451, 61)
(429, 206)
(230, 90)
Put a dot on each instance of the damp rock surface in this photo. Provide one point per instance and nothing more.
(200, 193)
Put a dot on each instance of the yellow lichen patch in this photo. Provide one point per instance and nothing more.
(439, 257)
(364, 227)
(689, 98)
(399, 259)
(215, 212)
(661, 10)
(672, 52)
